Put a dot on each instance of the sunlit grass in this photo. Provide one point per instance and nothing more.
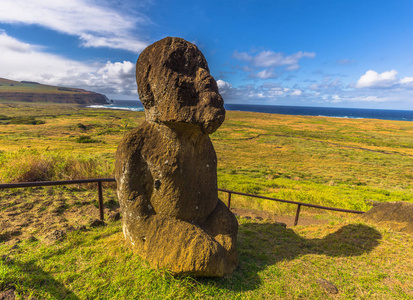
(334, 162)
(275, 263)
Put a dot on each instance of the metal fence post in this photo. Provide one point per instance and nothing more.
(101, 208)
(100, 192)
(297, 214)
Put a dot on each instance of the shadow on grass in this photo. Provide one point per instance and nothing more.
(36, 279)
(261, 245)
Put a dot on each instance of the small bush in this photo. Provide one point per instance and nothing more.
(26, 121)
(81, 126)
(33, 165)
(86, 139)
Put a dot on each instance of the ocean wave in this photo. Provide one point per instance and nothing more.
(341, 117)
(111, 106)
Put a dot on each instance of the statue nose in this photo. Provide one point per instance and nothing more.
(205, 82)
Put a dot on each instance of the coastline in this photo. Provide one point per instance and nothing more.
(328, 112)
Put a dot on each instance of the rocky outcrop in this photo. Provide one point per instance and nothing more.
(166, 169)
(396, 215)
(70, 97)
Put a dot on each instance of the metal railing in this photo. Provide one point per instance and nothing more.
(297, 214)
(65, 182)
(100, 195)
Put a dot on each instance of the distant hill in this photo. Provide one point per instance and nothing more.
(30, 91)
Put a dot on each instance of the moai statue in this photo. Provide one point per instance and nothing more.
(166, 169)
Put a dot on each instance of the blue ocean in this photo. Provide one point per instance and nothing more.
(352, 113)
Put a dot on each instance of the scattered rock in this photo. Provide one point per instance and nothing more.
(6, 258)
(82, 228)
(166, 169)
(114, 217)
(396, 215)
(32, 239)
(7, 295)
(56, 235)
(70, 229)
(97, 223)
(15, 243)
(327, 285)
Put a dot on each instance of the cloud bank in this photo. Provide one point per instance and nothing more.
(96, 25)
(22, 61)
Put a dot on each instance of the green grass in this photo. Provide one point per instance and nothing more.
(86, 139)
(275, 263)
(335, 162)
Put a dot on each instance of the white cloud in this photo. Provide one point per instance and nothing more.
(356, 99)
(96, 25)
(268, 61)
(296, 92)
(223, 86)
(385, 80)
(269, 93)
(89, 40)
(22, 61)
(373, 79)
(407, 82)
(327, 83)
(118, 77)
(266, 74)
(18, 58)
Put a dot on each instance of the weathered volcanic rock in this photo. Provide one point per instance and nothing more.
(166, 169)
(397, 215)
(174, 85)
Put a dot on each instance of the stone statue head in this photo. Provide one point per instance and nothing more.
(175, 86)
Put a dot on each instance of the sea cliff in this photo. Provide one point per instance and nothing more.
(77, 98)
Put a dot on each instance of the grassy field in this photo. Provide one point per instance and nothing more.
(335, 162)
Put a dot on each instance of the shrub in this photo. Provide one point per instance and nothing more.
(26, 121)
(81, 126)
(86, 139)
(33, 165)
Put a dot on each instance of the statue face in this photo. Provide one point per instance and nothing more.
(177, 86)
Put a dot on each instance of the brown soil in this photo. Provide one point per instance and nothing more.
(395, 215)
(42, 211)
(260, 215)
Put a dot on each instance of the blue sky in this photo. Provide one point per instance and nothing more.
(295, 52)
